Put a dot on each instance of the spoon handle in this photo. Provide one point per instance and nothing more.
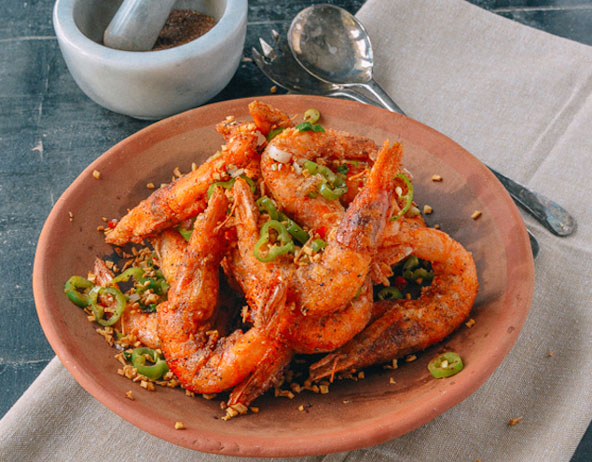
(383, 98)
(554, 217)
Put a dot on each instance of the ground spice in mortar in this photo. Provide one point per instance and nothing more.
(183, 26)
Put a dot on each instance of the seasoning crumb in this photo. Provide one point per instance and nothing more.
(427, 209)
(470, 323)
(550, 355)
(150, 185)
(436, 226)
(410, 358)
(97, 174)
(301, 407)
(177, 172)
(514, 421)
(70, 216)
(129, 395)
(273, 89)
(392, 381)
(254, 410)
(436, 178)
(361, 375)
(395, 363)
(179, 426)
(476, 214)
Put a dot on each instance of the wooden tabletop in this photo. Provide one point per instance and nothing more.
(50, 131)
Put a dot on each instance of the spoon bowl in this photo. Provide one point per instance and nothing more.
(333, 46)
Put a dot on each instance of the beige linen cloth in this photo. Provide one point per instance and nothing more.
(520, 100)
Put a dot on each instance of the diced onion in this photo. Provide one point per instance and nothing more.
(297, 168)
(134, 297)
(260, 138)
(279, 155)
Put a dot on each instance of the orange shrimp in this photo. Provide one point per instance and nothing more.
(186, 197)
(203, 361)
(332, 282)
(170, 247)
(412, 325)
(306, 333)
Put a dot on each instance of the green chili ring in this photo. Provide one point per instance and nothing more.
(72, 290)
(184, 232)
(408, 196)
(312, 115)
(317, 245)
(274, 132)
(229, 184)
(445, 365)
(389, 293)
(332, 194)
(265, 204)
(156, 370)
(99, 311)
(275, 250)
(134, 272)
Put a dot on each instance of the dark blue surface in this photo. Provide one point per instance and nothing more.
(50, 131)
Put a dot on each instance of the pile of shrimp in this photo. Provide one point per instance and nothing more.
(310, 296)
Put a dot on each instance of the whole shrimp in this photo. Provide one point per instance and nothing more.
(170, 247)
(203, 361)
(406, 326)
(186, 197)
(330, 283)
(304, 333)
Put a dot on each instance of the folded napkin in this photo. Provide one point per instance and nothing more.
(520, 100)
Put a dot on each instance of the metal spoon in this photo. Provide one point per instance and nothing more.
(332, 45)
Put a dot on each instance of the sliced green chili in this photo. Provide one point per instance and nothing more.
(73, 292)
(411, 262)
(309, 127)
(229, 184)
(186, 233)
(274, 132)
(445, 365)
(154, 371)
(389, 293)
(408, 196)
(419, 273)
(134, 272)
(274, 251)
(318, 245)
(334, 186)
(312, 116)
(99, 311)
(265, 204)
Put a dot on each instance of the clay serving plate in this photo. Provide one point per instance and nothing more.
(353, 414)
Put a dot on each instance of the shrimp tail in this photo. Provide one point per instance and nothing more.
(363, 224)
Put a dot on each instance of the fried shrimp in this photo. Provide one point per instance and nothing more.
(203, 361)
(187, 196)
(412, 325)
(336, 278)
(170, 247)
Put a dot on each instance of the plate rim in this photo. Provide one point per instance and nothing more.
(289, 446)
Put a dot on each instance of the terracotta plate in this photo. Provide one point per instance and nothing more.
(353, 414)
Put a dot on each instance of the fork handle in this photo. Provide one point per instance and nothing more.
(554, 217)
